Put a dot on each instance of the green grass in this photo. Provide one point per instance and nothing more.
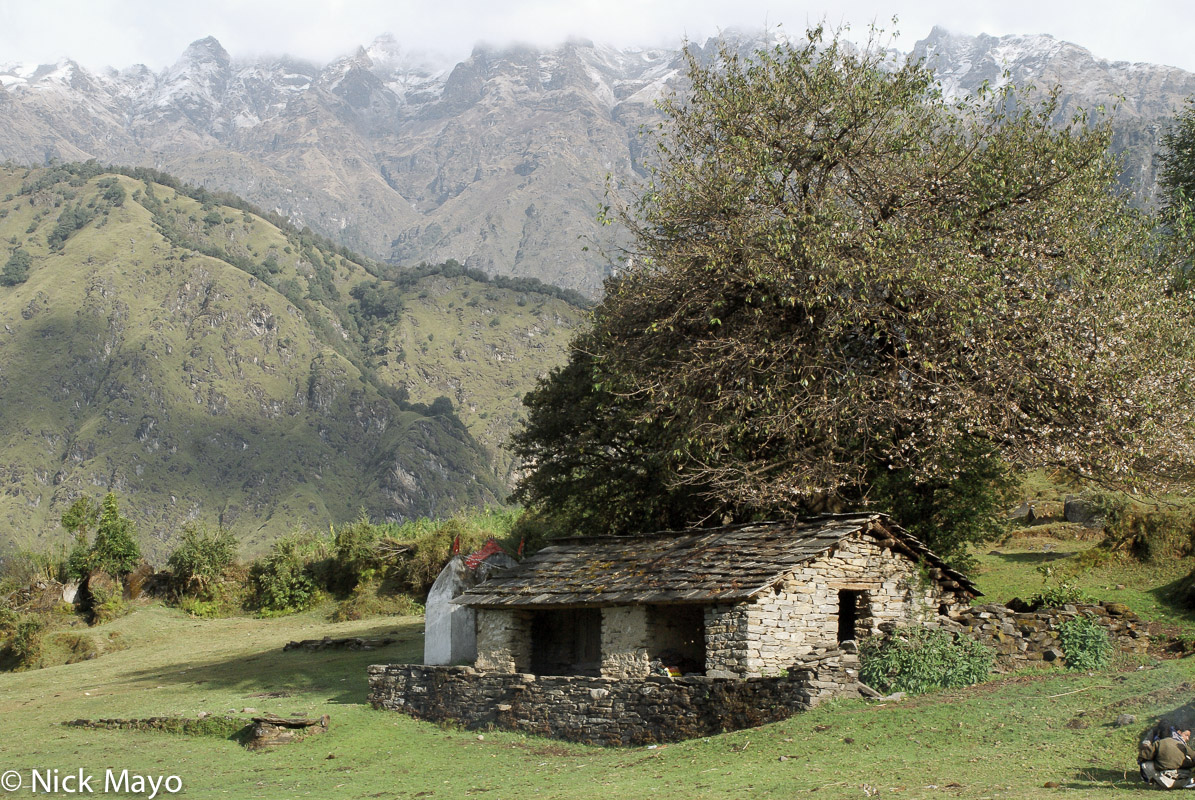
(1004, 739)
(1008, 569)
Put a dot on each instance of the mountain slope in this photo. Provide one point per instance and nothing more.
(148, 353)
(1140, 99)
(499, 162)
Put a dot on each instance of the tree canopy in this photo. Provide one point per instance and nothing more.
(838, 274)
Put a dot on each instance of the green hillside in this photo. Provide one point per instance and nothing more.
(209, 365)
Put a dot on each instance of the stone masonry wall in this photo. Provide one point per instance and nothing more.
(610, 711)
(727, 646)
(503, 640)
(1031, 637)
(784, 625)
(624, 642)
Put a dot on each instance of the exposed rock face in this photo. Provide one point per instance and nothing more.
(1140, 98)
(499, 161)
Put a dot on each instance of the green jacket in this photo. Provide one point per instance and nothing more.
(1173, 754)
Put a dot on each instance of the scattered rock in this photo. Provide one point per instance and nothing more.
(328, 643)
(1124, 720)
(1083, 512)
(271, 731)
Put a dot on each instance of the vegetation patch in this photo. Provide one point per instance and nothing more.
(1085, 644)
(917, 660)
(211, 725)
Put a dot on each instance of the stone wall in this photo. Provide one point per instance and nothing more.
(610, 711)
(728, 649)
(624, 641)
(1023, 638)
(503, 640)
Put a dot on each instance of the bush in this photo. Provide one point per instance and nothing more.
(919, 660)
(107, 598)
(431, 551)
(286, 580)
(1085, 644)
(26, 643)
(9, 620)
(1057, 596)
(1145, 533)
(200, 560)
(356, 556)
(367, 601)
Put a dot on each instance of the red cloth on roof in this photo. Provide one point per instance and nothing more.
(473, 561)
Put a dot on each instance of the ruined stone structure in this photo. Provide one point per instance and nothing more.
(1028, 637)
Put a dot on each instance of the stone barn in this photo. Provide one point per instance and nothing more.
(668, 636)
(734, 602)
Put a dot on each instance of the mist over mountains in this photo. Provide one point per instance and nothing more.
(499, 161)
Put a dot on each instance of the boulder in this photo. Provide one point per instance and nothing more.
(1084, 512)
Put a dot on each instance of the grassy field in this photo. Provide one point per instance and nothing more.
(1033, 734)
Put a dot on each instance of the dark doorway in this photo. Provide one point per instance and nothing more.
(676, 637)
(567, 642)
(849, 602)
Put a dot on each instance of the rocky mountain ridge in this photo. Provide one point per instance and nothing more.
(499, 162)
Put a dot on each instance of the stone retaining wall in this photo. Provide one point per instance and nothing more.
(610, 711)
(1022, 638)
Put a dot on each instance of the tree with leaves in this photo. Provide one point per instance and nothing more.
(16, 268)
(1176, 179)
(114, 549)
(838, 276)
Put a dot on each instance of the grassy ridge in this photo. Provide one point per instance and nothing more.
(208, 365)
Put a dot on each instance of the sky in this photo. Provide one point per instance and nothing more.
(120, 33)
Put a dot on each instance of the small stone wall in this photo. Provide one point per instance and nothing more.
(1022, 638)
(610, 711)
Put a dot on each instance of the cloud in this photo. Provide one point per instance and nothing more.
(123, 32)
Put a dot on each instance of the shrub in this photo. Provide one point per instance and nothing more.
(1085, 644)
(919, 660)
(1145, 533)
(431, 551)
(200, 561)
(1057, 596)
(107, 598)
(356, 556)
(285, 580)
(26, 643)
(9, 620)
(366, 601)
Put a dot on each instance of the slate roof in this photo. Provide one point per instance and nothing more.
(720, 565)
